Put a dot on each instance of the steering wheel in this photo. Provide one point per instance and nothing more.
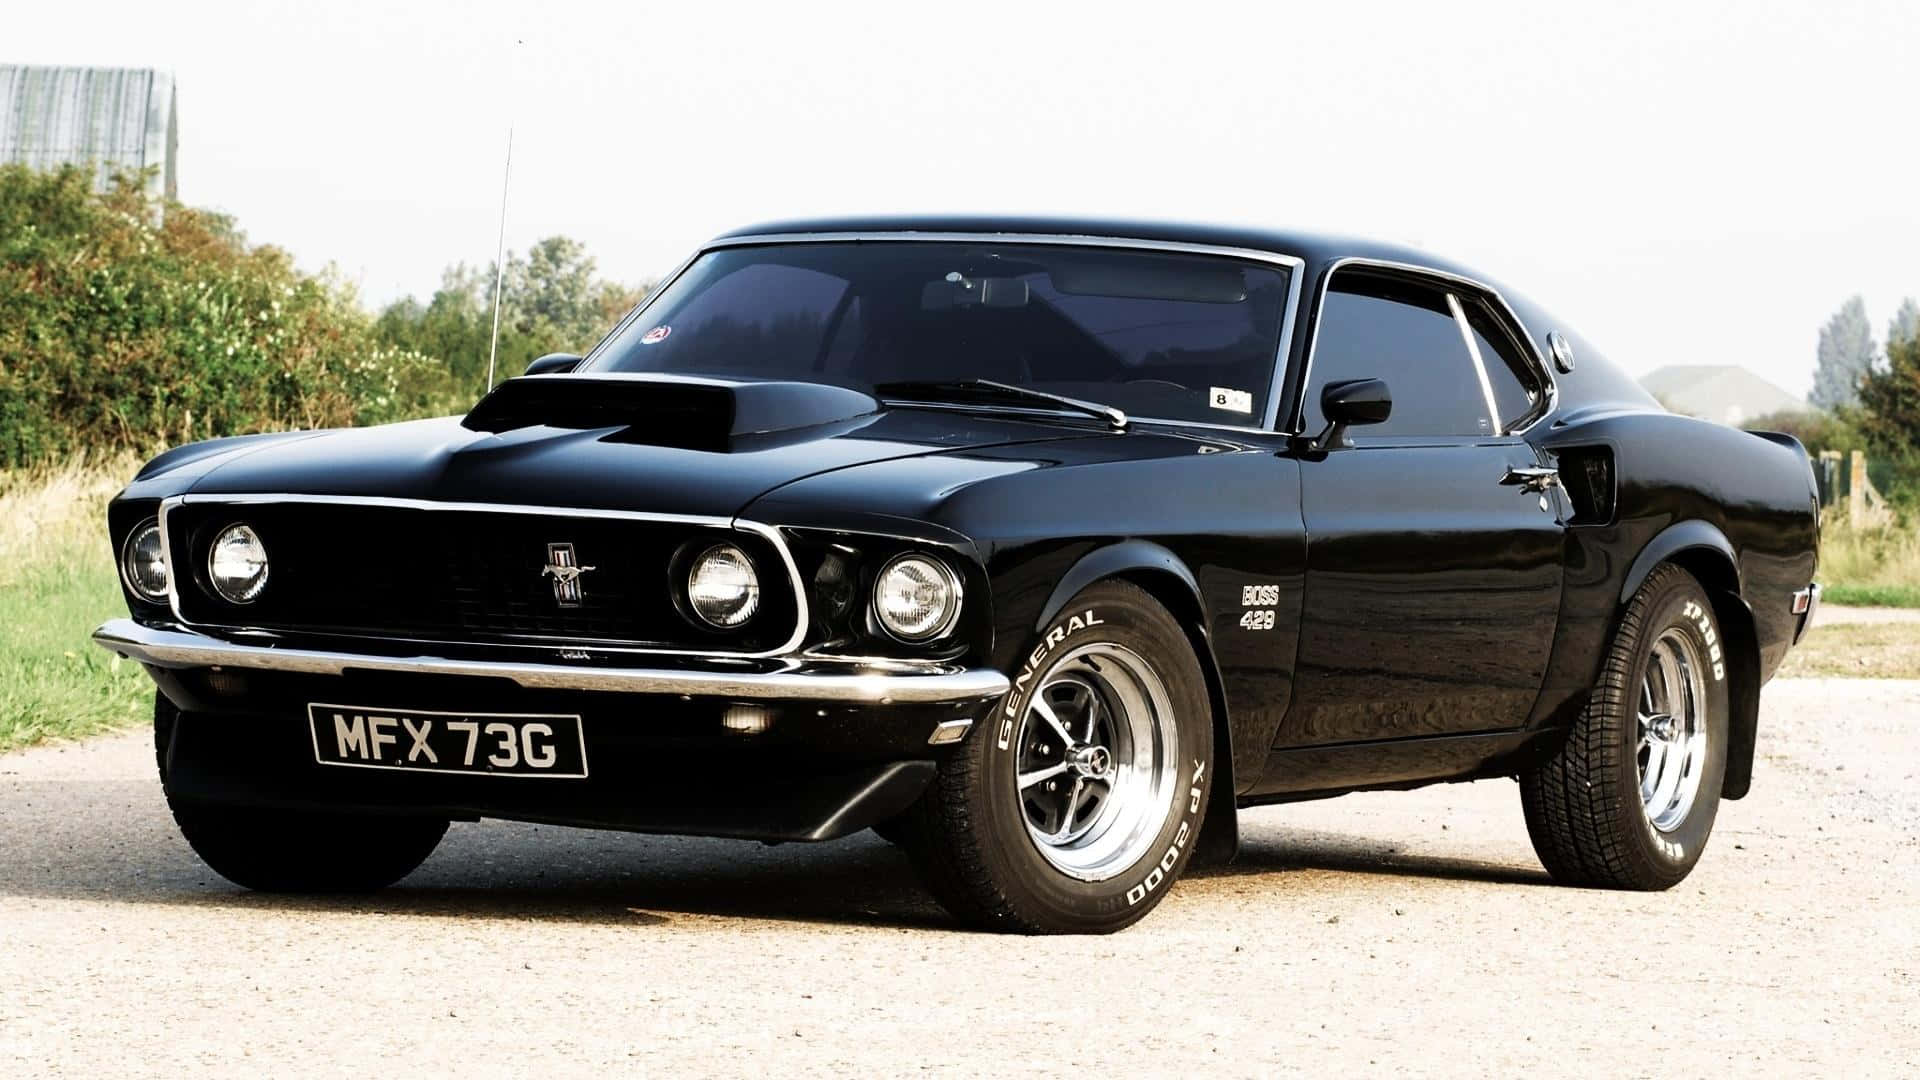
(1157, 382)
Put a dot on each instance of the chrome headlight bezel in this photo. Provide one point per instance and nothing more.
(749, 605)
(938, 573)
(148, 528)
(250, 591)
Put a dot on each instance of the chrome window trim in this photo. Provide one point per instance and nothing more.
(1294, 264)
(801, 610)
(1551, 395)
(1479, 365)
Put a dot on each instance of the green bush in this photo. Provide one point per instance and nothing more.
(1817, 430)
(126, 323)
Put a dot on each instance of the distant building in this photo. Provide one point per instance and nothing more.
(1727, 393)
(106, 118)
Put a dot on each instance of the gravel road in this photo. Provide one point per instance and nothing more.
(1835, 615)
(1403, 931)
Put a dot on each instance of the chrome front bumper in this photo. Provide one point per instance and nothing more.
(844, 682)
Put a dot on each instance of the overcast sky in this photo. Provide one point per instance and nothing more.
(1685, 182)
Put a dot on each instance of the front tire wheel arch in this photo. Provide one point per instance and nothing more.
(973, 836)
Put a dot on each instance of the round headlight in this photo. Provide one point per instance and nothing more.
(143, 563)
(237, 565)
(722, 588)
(916, 598)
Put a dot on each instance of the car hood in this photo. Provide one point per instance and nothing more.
(600, 468)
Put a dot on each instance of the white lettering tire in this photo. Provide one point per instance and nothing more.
(1629, 800)
(1075, 804)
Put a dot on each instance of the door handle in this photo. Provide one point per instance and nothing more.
(1531, 478)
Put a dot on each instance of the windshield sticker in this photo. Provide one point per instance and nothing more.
(1231, 400)
(656, 335)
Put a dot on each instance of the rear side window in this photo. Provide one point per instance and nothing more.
(1403, 332)
(1515, 381)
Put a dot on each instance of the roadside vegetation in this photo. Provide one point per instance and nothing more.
(57, 582)
(1870, 567)
(127, 323)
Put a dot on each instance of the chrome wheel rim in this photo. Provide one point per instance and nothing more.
(1097, 761)
(1672, 723)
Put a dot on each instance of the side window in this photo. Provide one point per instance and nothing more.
(1517, 386)
(1375, 327)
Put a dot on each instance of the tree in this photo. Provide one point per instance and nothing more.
(1905, 324)
(1890, 416)
(1846, 355)
(127, 322)
(550, 301)
(1816, 431)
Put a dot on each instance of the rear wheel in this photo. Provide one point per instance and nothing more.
(272, 850)
(1629, 801)
(1075, 805)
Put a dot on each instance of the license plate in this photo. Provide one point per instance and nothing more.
(484, 744)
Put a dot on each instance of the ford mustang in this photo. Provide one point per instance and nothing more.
(1042, 548)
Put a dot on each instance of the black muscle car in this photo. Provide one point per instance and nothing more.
(1040, 547)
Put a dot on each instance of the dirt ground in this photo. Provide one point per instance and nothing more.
(1406, 932)
(1835, 615)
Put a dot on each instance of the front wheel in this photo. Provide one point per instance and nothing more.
(1076, 803)
(1630, 798)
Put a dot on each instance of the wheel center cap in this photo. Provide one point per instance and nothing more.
(1662, 727)
(1092, 762)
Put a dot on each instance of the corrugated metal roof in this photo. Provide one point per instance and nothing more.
(110, 118)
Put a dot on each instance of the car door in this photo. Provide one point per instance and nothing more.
(1434, 558)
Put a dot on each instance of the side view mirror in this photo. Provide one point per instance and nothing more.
(557, 363)
(1345, 404)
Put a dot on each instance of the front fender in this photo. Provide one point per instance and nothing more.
(1123, 559)
(1167, 577)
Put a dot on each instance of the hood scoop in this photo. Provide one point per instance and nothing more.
(683, 411)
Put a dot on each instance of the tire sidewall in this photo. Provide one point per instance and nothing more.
(1127, 617)
(1682, 605)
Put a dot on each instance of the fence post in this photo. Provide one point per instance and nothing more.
(1828, 475)
(1857, 490)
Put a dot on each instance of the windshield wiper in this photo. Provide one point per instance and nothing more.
(1116, 418)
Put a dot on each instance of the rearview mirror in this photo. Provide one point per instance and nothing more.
(557, 363)
(957, 291)
(1344, 404)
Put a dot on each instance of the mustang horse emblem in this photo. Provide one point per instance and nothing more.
(565, 571)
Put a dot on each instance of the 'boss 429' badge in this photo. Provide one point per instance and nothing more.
(1258, 601)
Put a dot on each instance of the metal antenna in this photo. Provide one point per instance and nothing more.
(500, 246)
(500, 261)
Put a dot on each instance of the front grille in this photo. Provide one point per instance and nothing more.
(417, 571)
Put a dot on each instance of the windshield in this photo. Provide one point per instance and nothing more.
(1173, 336)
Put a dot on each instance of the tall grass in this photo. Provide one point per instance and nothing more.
(1871, 566)
(57, 582)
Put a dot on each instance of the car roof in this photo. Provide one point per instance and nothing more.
(1314, 248)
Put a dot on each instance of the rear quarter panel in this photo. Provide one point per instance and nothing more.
(1684, 483)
